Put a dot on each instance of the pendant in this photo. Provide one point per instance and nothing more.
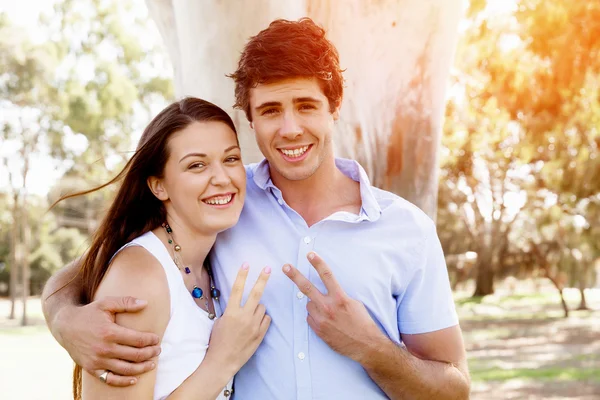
(197, 292)
(211, 315)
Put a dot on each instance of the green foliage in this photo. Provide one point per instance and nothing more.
(522, 140)
(96, 79)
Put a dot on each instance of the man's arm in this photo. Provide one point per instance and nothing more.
(89, 332)
(433, 365)
(436, 370)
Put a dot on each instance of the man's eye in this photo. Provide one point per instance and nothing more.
(269, 111)
(307, 107)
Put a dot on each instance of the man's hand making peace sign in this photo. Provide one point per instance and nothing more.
(339, 320)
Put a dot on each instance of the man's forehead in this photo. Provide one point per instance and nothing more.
(288, 89)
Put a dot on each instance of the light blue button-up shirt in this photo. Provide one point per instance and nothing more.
(389, 257)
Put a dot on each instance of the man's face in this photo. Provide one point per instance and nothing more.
(293, 126)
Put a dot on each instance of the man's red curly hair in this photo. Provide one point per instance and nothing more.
(288, 49)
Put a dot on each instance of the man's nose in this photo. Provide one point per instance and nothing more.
(290, 128)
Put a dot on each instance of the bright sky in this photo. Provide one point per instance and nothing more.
(45, 171)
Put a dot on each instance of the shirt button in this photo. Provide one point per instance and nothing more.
(307, 239)
(300, 295)
(301, 355)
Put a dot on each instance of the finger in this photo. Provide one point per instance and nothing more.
(325, 273)
(235, 298)
(303, 284)
(312, 322)
(264, 325)
(121, 304)
(312, 308)
(258, 289)
(134, 354)
(130, 337)
(128, 369)
(115, 380)
(260, 312)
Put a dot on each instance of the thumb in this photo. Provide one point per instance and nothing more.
(122, 304)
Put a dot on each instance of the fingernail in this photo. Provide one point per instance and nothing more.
(132, 382)
(141, 302)
(286, 268)
(311, 255)
(267, 270)
(245, 266)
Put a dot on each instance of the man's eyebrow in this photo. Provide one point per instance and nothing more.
(202, 155)
(307, 100)
(268, 104)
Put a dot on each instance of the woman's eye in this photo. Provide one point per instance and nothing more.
(232, 159)
(196, 165)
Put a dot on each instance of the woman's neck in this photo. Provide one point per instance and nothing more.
(195, 246)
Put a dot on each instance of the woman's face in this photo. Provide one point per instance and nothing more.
(204, 180)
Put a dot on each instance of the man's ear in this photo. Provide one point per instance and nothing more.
(336, 110)
(157, 188)
(251, 125)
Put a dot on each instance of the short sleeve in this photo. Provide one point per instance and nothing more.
(427, 304)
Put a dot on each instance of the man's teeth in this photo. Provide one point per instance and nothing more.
(295, 152)
(219, 200)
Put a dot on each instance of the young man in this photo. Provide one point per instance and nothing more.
(362, 308)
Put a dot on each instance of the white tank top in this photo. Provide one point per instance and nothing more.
(186, 338)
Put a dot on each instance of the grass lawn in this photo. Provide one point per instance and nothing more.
(518, 344)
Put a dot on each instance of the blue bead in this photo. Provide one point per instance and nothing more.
(197, 292)
(187, 270)
(215, 293)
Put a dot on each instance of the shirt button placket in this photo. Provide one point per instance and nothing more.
(303, 375)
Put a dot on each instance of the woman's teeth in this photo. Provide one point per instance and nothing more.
(219, 200)
(295, 152)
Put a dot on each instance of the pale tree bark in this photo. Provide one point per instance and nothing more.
(30, 144)
(397, 55)
(14, 235)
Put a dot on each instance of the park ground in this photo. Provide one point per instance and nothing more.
(518, 344)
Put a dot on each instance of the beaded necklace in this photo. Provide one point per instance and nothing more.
(196, 292)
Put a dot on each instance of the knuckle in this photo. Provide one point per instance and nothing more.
(100, 351)
(139, 356)
(328, 311)
(256, 294)
(327, 274)
(140, 342)
(306, 287)
(106, 334)
(128, 300)
(128, 370)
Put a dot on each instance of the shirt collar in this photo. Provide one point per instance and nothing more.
(352, 169)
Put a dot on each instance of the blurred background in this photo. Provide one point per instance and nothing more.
(486, 114)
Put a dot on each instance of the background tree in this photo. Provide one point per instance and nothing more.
(94, 83)
(394, 100)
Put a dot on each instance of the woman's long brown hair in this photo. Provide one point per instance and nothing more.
(135, 210)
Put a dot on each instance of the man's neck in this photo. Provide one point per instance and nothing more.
(327, 191)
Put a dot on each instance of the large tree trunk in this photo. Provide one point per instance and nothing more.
(484, 281)
(397, 55)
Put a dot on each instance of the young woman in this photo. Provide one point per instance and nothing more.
(184, 184)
